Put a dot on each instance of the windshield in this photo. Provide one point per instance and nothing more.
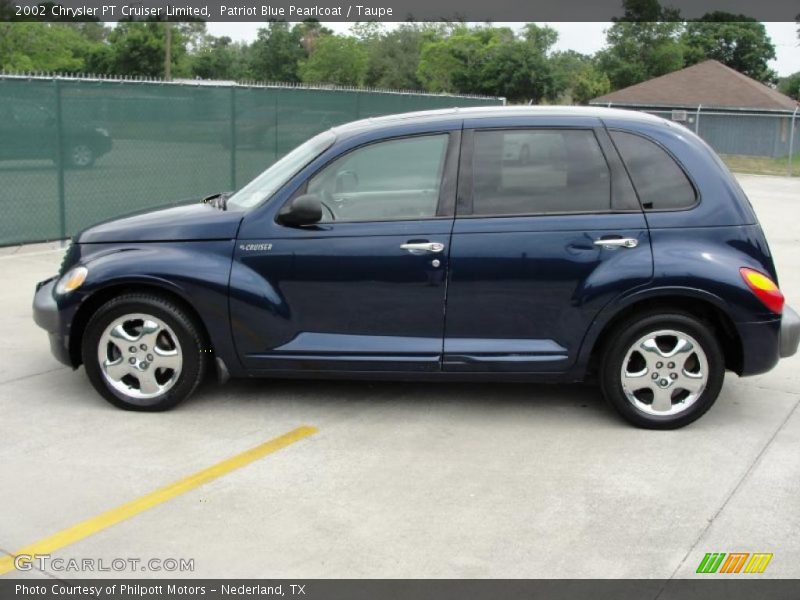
(266, 184)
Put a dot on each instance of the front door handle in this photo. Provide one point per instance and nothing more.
(617, 242)
(422, 247)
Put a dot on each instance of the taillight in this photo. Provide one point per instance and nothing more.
(764, 288)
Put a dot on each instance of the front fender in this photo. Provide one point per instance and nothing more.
(196, 272)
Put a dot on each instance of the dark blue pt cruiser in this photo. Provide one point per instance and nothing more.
(505, 244)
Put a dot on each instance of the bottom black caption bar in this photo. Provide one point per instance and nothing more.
(400, 589)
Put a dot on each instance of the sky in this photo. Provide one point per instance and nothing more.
(586, 38)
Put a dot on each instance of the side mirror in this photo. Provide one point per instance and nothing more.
(303, 210)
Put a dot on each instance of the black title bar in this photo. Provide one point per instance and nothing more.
(377, 10)
(715, 587)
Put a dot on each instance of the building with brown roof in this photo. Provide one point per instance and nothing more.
(734, 113)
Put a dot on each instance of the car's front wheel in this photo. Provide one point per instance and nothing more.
(143, 352)
(662, 370)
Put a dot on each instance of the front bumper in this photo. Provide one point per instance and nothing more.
(790, 332)
(48, 316)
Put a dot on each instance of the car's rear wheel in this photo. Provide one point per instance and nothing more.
(143, 352)
(80, 156)
(662, 370)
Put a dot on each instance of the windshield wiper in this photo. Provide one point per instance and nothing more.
(219, 200)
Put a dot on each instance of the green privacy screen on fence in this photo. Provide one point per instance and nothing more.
(127, 146)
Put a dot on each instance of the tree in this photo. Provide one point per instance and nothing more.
(790, 86)
(393, 56)
(590, 83)
(275, 53)
(579, 77)
(35, 46)
(138, 48)
(734, 40)
(310, 31)
(491, 60)
(336, 59)
(440, 62)
(642, 45)
(520, 68)
(567, 67)
(220, 58)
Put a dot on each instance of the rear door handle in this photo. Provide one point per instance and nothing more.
(422, 247)
(617, 242)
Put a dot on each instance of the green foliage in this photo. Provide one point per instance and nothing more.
(138, 48)
(339, 60)
(44, 47)
(310, 31)
(393, 56)
(638, 51)
(491, 60)
(220, 58)
(734, 40)
(790, 86)
(274, 55)
(643, 44)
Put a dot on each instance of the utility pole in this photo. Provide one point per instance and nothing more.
(168, 51)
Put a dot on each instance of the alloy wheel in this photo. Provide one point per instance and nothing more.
(664, 372)
(140, 356)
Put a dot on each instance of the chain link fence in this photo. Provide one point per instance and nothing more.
(766, 143)
(75, 151)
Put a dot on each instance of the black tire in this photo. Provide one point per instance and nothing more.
(188, 335)
(630, 332)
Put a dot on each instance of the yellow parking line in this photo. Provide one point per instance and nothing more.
(115, 515)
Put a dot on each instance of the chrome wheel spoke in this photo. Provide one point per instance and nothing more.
(691, 382)
(682, 346)
(166, 359)
(147, 382)
(650, 350)
(121, 335)
(636, 380)
(149, 334)
(662, 399)
(117, 369)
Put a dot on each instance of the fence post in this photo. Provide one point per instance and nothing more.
(62, 209)
(697, 120)
(275, 127)
(233, 138)
(791, 141)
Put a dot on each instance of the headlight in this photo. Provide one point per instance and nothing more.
(72, 280)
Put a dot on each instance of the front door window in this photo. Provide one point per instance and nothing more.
(387, 181)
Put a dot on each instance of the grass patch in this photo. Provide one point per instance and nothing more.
(762, 165)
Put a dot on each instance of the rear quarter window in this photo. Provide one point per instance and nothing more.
(659, 181)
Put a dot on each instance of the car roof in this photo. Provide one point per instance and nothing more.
(491, 112)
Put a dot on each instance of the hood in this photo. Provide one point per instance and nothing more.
(181, 223)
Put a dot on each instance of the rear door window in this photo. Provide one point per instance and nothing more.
(539, 171)
(659, 181)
